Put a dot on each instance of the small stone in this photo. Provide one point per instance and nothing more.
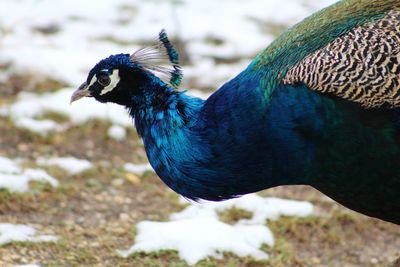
(70, 257)
(124, 217)
(23, 147)
(119, 200)
(86, 207)
(118, 182)
(132, 178)
(100, 198)
(374, 261)
(80, 220)
(316, 260)
(94, 244)
(15, 257)
(117, 230)
(69, 222)
(105, 164)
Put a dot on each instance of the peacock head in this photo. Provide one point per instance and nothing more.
(119, 78)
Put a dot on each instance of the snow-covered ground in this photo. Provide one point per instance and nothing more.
(14, 178)
(69, 164)
(11, 233)
(137, 168)
(197, 233)
(22, 233)
(63, 39)
(30, 106)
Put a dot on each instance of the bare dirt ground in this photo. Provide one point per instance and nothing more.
(95, 213)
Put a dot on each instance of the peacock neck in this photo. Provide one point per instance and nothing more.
(164, 118)
(214, 149)
(162, 111)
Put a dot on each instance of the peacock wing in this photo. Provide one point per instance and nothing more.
(362, 65)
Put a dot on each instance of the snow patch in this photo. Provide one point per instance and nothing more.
(70, 164)
(32, 105)
(22, 233)
(196, 232)
(138, 169)
(117, 132)
(198, 238)
(42, 127)
(8, 166)
(13, 178)
(262, 208)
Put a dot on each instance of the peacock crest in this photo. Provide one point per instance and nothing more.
(161, 59)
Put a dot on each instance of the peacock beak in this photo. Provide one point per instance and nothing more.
(82, 91)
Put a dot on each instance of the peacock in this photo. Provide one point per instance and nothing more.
(320, 106)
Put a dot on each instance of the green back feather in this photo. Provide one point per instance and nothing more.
(319, 29)
(312, 34)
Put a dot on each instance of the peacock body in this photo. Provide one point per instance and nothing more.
(320, 106)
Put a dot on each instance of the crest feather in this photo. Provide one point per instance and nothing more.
(156, 59)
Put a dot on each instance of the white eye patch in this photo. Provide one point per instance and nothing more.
(114, 80)
(92, 81)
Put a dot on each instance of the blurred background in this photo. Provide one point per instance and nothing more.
(75, 185)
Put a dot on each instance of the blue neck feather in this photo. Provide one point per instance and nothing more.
(197, 147)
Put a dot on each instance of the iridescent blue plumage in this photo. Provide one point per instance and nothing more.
(280, 121)
(232, 144)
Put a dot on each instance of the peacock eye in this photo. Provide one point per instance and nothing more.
(104, 80)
